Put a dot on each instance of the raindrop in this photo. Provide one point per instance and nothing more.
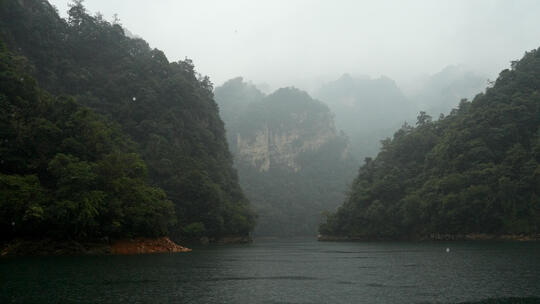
(447, 249)
(12, 223)
(134, 98)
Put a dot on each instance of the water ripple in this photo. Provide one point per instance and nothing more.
(293, 278)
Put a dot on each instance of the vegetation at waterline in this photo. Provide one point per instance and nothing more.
(473, 171)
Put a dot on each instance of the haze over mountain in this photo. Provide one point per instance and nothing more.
(292, 163)
(285, 43)
(366, 109)
(474, 171)
(442, 91)
(132, 135)
(168, 110)
(369, 110)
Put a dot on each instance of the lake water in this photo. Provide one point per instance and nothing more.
(283, 271)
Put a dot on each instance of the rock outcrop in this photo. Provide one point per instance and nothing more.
(69, 247)
(282, 146)
(291, 161)
(145, 245)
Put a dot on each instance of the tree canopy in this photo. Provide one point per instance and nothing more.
(165, 108)
(474, 171)
(67, 172)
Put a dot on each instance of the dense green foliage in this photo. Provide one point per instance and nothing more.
(473, 171)
(65, 171)
(292, 164)
(167, 109)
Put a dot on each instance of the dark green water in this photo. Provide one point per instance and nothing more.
(283, 271)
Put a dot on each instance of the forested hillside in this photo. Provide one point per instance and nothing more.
(292, 163)
(474, 171)
(67, 172)
(165, 108)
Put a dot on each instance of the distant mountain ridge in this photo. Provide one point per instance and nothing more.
(473, 172)
(292, 124)
(441, 92)
(292, 163)
(367, 109)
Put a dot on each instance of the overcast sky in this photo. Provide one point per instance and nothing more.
(290, 42)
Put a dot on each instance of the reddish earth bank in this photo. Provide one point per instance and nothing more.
(143, 245)
(70, 247)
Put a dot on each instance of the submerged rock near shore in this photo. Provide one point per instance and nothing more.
(69, 247)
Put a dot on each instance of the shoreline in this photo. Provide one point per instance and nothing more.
(434, 237)
(223, 240)
(125, 246)
(50, 247)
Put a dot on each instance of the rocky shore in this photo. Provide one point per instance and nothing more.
(143, 246)
(69, 247)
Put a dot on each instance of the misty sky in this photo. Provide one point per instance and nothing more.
(294, 42)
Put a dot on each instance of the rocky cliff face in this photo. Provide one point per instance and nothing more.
(292, 163)
(280, 147)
